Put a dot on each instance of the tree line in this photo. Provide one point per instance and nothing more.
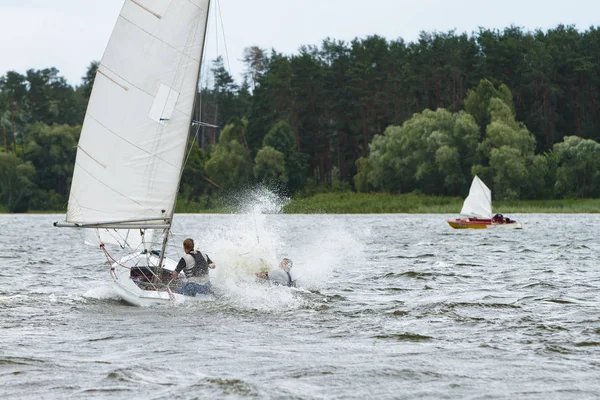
(518, 108)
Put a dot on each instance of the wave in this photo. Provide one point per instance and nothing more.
(405, 337)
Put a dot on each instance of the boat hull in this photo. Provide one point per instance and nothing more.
(132, 290)
(479, 223)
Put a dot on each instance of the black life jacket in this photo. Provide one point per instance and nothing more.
(201, 266)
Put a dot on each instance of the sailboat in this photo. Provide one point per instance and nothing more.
(132, 149)
(476, 212)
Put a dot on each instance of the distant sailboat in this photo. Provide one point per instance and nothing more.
(476, 212)
(132, 148)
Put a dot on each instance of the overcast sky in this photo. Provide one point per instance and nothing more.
(70, 34)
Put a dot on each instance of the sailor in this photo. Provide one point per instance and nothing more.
(280, 276)
(195, 267)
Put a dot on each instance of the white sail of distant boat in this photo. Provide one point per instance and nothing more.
(478, 203)
(132, 148)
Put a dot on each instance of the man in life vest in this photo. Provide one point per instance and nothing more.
(280, 276)
(195, 267)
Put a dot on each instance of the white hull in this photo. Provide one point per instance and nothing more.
(516, 225)
(131, 292)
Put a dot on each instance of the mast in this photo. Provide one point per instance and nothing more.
(167, 230)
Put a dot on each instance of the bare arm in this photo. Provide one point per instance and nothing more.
(211, 263)
(178, 269)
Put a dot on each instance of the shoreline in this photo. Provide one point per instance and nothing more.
(378, 203)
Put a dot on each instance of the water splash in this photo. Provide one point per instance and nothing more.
(259, 236)
(102, 292)
(250, 244)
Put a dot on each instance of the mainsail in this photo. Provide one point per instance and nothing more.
(478, 203)
(132, 146)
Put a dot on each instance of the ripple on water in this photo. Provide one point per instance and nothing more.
(557, 301)
(587, 344)
(224, 387)
(404, 337)
(7, 361)
(412, 257)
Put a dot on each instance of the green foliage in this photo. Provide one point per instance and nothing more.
(447, 160)
(425, 153)
(207, 203)
(256, 63)
(50, 98)
(271, 101)
(367, 203)
(364, 203)
(505, 131)
(234, 130)
(282, 138)
(382, 115)
(542, 177)
(52, 149)
(510, 173)
(230, 166)
(506, 152)
(578, 172)
(195, 187)
(269, 167)
(361, 179)
(478, 102)
(16, 182)
(89, 78)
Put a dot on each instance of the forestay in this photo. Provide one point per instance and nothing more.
(132, 146)
(478, 203)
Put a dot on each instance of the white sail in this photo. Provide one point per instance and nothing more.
(132, 146)
(478, 203)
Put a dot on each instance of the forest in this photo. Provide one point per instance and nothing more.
(519, 108)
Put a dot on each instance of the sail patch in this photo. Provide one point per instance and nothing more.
(164, 104)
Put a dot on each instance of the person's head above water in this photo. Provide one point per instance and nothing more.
(286, 264)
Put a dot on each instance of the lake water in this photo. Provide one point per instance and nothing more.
(387, 307)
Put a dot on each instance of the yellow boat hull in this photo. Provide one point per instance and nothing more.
(465, 225)
(481, 224)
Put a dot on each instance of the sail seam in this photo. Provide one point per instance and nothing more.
(111, 188)
(83, 207)
(127, 141)
(157, 15)
(196, 5)
(159, 39)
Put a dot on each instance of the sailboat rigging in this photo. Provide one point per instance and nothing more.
(132, 149)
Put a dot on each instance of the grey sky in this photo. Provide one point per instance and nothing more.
(69, 34)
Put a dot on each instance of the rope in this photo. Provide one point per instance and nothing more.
(111, 258)
(224, 37)
(149, 279)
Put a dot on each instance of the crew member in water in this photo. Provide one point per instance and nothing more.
(195, 267)
(281, 276)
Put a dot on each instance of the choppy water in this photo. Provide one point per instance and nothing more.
(388, 307)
